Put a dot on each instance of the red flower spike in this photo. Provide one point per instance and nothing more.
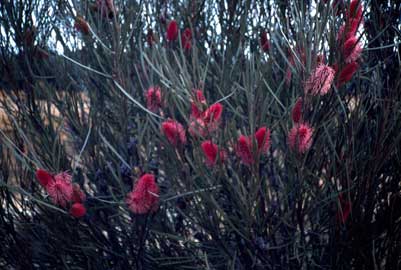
(154, 98)
(44, 177)
(77, 210)
(144, 198)
(186, 39)
(172, 31)
(263, 139)
(264, 42)
(347, 73)
(352, 50)
(210, 151)
(174, 132)
(297, 111)
(300, 137)
(213, 113)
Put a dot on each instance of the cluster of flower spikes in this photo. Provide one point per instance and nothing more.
(172, 35)
(62, 191)
(349, 46)
(204, 121)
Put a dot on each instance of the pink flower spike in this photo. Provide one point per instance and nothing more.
(174, 132)
(60, 190)
(144, 198)
(77, 210)
(300, 137)
(44, 177)
(153, 98)
(319, 82)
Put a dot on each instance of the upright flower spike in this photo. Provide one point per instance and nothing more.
(77, 210)
(319, 82)
(300, 138)
(186, 39)
(296, 113)
(244, 146)
(144, 198)
(212, 117)
(44, 177)
(262, 137)
(264, 41)
(352, 50)
(211, 150)
(60, 189)
(172, 31)
(346, 73)
(174, 132)
(154, 98)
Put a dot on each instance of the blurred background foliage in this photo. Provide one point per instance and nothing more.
(73, 77)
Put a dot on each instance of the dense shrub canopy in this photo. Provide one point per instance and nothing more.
(200, 134)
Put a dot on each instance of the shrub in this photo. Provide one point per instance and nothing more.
(176, 135)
